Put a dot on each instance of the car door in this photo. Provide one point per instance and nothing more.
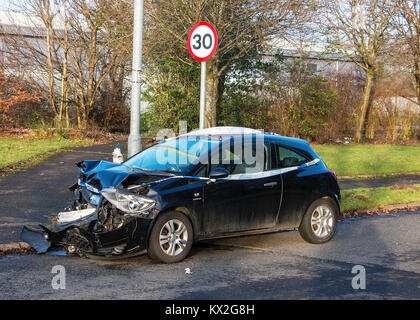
(296, 184)
(249, 198)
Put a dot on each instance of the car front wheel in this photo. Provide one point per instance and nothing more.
(319, 222)
(171, 237)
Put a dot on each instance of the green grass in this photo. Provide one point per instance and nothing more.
(368, 198)
(345, 160)
(14, 150)
(364, 159)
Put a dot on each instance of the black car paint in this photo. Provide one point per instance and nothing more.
(216, 208)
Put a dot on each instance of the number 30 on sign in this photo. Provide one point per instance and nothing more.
(202, 41)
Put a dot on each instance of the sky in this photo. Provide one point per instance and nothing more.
(10, 5)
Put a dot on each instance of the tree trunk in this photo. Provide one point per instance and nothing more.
(79, 121)
(64, 89)
(371, 122)
(417, 78)
(371, 117)
(212, 84)
(64, 105)
(91, 71)
(51, 98)
(82, 110)
(360, 117)
(66, 111)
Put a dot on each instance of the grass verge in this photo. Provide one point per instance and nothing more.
(17, 153)
(364, 159)
(369, 198)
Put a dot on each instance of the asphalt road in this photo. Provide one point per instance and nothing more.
(274, 266)
(31, 195)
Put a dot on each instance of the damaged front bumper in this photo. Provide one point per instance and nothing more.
(103, 231)
(110, 214)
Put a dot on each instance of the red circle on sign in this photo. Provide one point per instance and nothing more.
(202, 23)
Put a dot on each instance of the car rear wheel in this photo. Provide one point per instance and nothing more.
(319, 222)
(171, 237)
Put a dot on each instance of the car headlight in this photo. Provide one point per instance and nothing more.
(127, 201)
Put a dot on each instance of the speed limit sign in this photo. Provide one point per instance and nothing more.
(202, 41)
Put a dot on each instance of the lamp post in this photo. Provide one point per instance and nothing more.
(134, 139)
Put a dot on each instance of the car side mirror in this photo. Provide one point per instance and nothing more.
(218, 173)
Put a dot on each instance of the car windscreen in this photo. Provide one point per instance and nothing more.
(174, 155)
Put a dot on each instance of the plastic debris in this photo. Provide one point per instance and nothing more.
(117, 156)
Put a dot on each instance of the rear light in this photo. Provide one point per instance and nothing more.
(333, 173)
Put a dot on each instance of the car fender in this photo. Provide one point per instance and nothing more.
(180, 208)
(319, 195)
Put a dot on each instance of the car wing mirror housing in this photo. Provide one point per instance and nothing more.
(218, 173)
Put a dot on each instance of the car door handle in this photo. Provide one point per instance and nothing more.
(270, 184)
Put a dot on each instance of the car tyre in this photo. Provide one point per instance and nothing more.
(319, 222)
(171, 238)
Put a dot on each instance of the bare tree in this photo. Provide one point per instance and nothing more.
(242, 26)
(64, 38)
(43, 10)
(360, 28)
(407, 23)
(32, 50)
(89, 53)
(77, 45)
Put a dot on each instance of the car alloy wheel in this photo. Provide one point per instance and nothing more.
(322, 221)
(173, 237)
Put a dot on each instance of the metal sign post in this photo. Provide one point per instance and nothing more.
(202, 43)
(203, 94)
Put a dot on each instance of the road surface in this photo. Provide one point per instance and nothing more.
(274, 266)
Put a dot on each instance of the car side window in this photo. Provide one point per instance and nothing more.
(245, 159)
(202, 172)
(260, 164)
(287, 158)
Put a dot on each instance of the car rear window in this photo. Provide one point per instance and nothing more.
(287, 158)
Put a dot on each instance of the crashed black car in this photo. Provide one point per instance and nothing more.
(210, 183)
